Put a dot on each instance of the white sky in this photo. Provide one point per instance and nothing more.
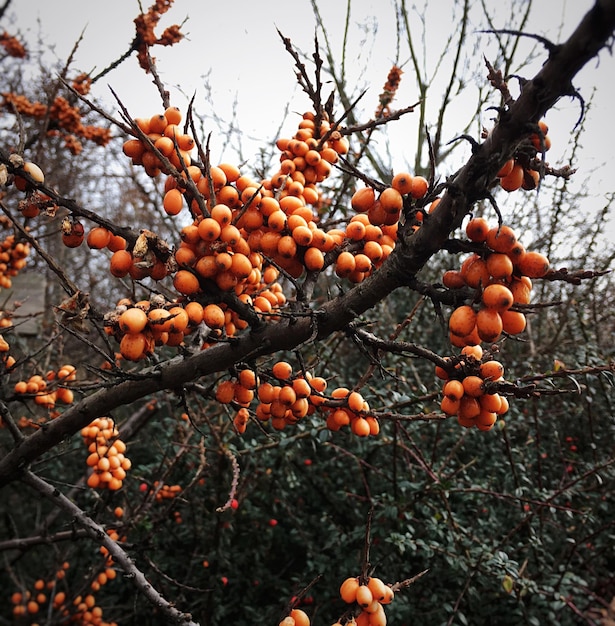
(236, 45)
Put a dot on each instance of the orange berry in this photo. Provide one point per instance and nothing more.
(489, 325)
(513, 180)
(499, 266)
(506, 168)
(469, 408)
(313, 259)
(513, 322)
(486, 419)
(474, 272)
(420, 187)
(133, 346)
(213, 316)
(533, 264)
(501, 238)
(453, 389)
(348, 590)
(209, 229)
(402, 182)
(503, 406)
(364, 596)
(472, 352)
(490, 402)
(449, 406)
(173, 202)
(282, 370)
(497, 296)
(491, 370)
(299, 617)
(344, 264)
(355, 402)
(120, 264)
(133, 320)
(473, 386)
(225, 391)
(452, 279)
(222, 214)
(360, 427)
(173, 115)
(477, 229)
(186, 282)
(391, 201)
(98, 238)
(462, 321)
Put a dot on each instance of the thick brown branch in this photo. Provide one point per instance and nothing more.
(410, 255)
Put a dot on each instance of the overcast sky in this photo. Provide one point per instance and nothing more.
(234, 48)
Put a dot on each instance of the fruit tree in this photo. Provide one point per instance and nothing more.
(253, 390)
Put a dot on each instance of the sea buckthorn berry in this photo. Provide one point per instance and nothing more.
(391, 200)
(363, 199)
(313, 259)
(173, 202)
(348, 590)
(364, 596)
(477, 229)
(452, 279)
(420, 186)
(497, 296)
(449, 406)
(489, 325)
(513, 322)
(186, 282)
(499, 266)
(462, 321)
(299, 617)
(282, 370)
(473, 386)
(513, 180)
(501, 239)
(98, 238)
(402, 182)
(120, 264)
(453, 389)
(133, 320)
(491, 370)
(345, 264)
(533, 265)
(506, 169)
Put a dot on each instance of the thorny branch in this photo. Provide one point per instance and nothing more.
(98, 534)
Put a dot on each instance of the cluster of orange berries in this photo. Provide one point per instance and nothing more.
(13, 255)
(106, 454)
(108, 573)
(12, 46)
(284, 398)
(35, 601)
(140, 327)
(145, 36)
(39, 387)
(464, 392)
(283, 401)
(64, 119)
(168, 138)
(7, 360)
(296, 617)
(371, 595)
(502, 276)
(86, 611)
(166, 492)
(388, 91)
(516, 173)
